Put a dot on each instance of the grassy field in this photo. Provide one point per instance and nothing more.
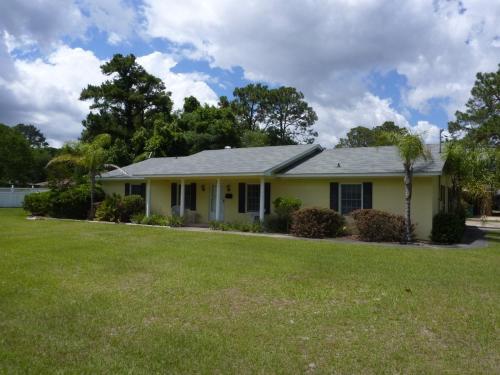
(93, 298)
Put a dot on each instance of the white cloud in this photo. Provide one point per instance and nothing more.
(180, 84)
(369, 111)
(327, 49)
(45, 92)
(115, 17)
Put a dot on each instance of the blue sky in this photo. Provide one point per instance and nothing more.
(358, 63)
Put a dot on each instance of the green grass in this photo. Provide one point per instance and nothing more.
(79, 297)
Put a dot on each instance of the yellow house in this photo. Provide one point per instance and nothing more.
(239, 184)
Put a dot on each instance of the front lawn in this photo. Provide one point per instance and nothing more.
(79, 297)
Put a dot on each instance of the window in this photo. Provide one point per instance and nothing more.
(253, 197)
(351, 196)
(139, 189)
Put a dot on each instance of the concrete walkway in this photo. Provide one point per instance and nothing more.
(492, 222)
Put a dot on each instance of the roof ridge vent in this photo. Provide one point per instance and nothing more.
(227, 147)
(338, 165)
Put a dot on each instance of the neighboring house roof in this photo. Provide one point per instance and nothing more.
(255, 161)
(365, 161)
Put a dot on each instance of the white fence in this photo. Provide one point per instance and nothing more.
(14, 197)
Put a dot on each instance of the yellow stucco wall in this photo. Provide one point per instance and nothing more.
(388, 195)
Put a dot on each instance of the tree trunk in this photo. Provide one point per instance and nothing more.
(408, 190)
(92, 186)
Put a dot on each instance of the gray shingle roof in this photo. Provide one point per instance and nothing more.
(236, 161)
(365, 161)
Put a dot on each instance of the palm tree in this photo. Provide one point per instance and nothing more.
(91, 156)
(411, 147)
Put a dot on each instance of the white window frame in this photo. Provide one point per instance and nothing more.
(340, 196)
(246, 198)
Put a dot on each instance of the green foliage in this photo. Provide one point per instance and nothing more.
(473, 167)
(191, 104)
(32, 134)
(361, 136)
(38, 204)
(317, 223)
(137, 218)
(448, 228)
(254, 138)
(284, 207)
(175, 221)
(91, 157)
(15, 157)
(130, 100)
(117, 209)
(289, 119)
(132, 205)
(275, 224)
(155, 220)
(380, 226)
(110, 209)
(237, 226)
(481, 120)
(250, 106)
(73, 203)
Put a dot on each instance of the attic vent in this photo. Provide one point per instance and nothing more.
(338, 165)
(227, 148)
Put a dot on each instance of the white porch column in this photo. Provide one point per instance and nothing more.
(217, 201)
(183, 194)
(262, 199)
(148, 197)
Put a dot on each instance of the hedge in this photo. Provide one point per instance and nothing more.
(317, 223)
(448, 228)
(380, 226)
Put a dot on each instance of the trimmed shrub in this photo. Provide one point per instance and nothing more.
(380, 226)
(154, 220)
(275, 224)
(38, 204)
(131, 205)
(73, 203)
(118, 209)
(317, 223)
(111, 209)
(137, 218)
(175, 221)
(241, 227)
(284, 207)
(448, 228)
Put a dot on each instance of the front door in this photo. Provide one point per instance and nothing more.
(212, 200)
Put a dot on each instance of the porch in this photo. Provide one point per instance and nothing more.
(202, 200)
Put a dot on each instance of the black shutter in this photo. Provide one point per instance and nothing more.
(127, 189)
(334, 196)
(193, 197)
(267, 198)
(143, 190)
(241, 197)
(367, 195)
(173, 194)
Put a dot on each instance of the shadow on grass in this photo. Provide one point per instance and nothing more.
(472, 234)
